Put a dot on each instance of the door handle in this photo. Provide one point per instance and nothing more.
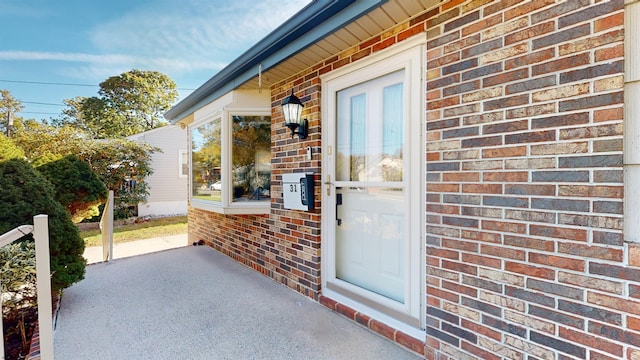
(328, 187)
(328, 183)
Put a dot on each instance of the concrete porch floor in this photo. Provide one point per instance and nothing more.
(195, 303)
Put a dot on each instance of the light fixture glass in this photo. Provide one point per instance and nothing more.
(292, 111)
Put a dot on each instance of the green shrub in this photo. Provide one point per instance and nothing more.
(19, 292)
(9, 150)
(24, 193)
(18, 272)
(77, 187)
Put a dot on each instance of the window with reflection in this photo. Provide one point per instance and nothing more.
(251, 157)
(206, 161)
(231, 162)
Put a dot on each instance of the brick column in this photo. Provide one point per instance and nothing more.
(632, 126)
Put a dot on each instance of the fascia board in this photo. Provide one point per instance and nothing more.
(311, 24)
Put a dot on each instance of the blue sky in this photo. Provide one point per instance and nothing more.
(84, 42)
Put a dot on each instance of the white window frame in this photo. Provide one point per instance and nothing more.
(181, 155)
(410, 56)
(227, 205)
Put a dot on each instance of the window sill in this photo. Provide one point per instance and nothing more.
(254, 208)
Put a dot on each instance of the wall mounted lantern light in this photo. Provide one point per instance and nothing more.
(292, 110)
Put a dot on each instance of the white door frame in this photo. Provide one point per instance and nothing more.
(408, 55)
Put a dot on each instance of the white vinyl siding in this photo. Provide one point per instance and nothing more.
(168, 191)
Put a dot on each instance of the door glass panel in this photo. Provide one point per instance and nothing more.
(357, 145)
(370, 130)
(392, 133)
(351, 135)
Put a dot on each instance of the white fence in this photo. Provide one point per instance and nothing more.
(40, 230)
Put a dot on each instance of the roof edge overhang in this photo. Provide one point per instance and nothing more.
(312, 23)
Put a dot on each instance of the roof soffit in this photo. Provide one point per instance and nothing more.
(350, 26)
(376, 22)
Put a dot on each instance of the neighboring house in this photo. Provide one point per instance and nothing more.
(474, 184)
(168, 185)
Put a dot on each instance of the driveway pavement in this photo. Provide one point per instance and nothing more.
(195, 303)
(93, 254)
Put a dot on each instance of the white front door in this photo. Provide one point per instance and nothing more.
(371, 201)
(371, 226)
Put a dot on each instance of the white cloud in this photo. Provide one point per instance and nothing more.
(188, 40)
(101, 66)
(193, 34)
(62, 56)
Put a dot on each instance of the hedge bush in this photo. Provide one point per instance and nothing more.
(24, 193)
(77, 187)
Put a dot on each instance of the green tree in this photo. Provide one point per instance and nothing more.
(9, 150)
(73, 115)
(102, 121)
(24, 193)
(129, 103)
(77, 187)
(142, 96)
(9, 107)
(122, 165)
(44, 143)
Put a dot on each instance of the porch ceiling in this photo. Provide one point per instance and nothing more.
(373, 23)
(301, 42)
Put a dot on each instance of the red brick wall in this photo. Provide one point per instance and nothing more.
(526, 257)
(283, 248)
(285, 244)
(525, 254)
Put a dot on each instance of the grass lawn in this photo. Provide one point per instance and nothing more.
(138, 231)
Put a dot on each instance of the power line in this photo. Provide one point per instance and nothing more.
(41, 103)
(37, 112)
(44, 83)
(61, 84)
